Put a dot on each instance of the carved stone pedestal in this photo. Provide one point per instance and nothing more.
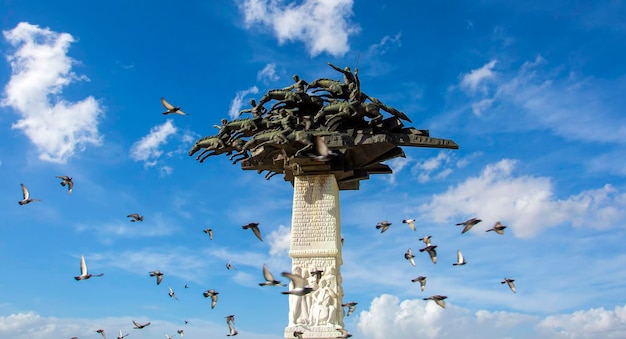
(316, 255)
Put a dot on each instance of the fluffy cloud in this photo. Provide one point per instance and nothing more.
(322, 25)
(237, 103)
(41, 69)
(279, 240)
(147, 149)
(527, 202)
(473, 80)
(268, 73)
(593, 323)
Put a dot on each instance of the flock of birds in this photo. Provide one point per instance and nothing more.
(429, 248)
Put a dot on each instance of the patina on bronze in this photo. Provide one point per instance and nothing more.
(288, 137)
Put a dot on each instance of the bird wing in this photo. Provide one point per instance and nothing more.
(213, 300)
(231, 328)
(25, 192)
(512, 286)
(467, 228)
(441, 302)
(267, 274)
(257, 232)
(133, 215)
(320, 146)
(70, 186)
(166, 104)
(159, 278)
(298, 281)
(433, 255)
(459, 256)
(83, 266)
(210, 234)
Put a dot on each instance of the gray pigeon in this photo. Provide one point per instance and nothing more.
(67, 181)
(422, 281)
(431, 251)
(410, 257)
(213, 294)
(300, 286)
(351, 307)
(171, 109)
(84, 275)
(140, 326)
(269, 278)
(468, 224)
(254, 226)
(344, 333)
(498, 228)
(27, 199)
(511, 284)
(101, 331)
(135, 217)
(322, 151)
(158, 274)
(459, 259)
(410, 222)
(209, 232)
(383, 226)
(439, 299)
(171, 293)
(426, 240)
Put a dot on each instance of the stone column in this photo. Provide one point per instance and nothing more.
(316, 255)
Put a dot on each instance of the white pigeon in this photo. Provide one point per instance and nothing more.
(459, 259)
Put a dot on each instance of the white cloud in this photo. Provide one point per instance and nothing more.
(396, 165)
(474, 78)
(385, 44)
(442, 164)
(40, 71)
(526, 204)
(279, 241)
(268, 73)
(237, 103)
(593, 323)
(147, 149)
(322, 25)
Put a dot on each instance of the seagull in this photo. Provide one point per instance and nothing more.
(254, 226)
(230, 266)
(422, 281)
(351, 307)
(83, 271)
(135, 217)
(469, 224)
(269, 278)
(459, 259)
(383, 226)
(344, 333)
(298, 334)
(426, 240)
(171, 109)
(181, 333)
(410, 257)
(498, 228)
(27, 199)
(158, 274)
(67, 181)
(171, 293)
(232, 330)
(213, 294)
(139, 326)
(323, 153)
(101, 331)
(300, 286)
(230, 319)
(511, 284)
(121, 336)
(411, 223)
(439, 299)
(431, 251)
(209, 232)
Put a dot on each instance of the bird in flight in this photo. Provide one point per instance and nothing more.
(431, 251)
(425, 240)
(181, 333)
(171, 293)
(410, 257)
(468, 224)
(300, 286)
(209, 232)
(439, 299)
(171, 109)
(410, 222)
(27, 199)
(84, 275)
(230, 266)
(101, 331)
(269, 278)
(213, 294)
(230, 319)
(351, 307)
(158, 274)
(498, 228)
(422, 281)
(254, 226)
(511, 284)
(322, 150)
(344, 333)
(121, 336)
(140, 326)
(298, 334)
(231, 330)
(135, 217)
(383, 226)
(459, 259)
(66, 181)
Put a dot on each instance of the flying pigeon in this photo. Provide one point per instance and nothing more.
(459, 259)
(323, 153)
(269, 278)
(230, 266)
(232, 330)
(439, 299)
(431, 251)
(426, 240)
(209, 232)
(101, 331)
(67, 181)
(411, 223)
(135, 217)
(298, 334)
(300, 286)
(511, 284)
(344, 333)
(213, 294)
(181, 333)
(186, 285)
(171, 293)
(498, 228)
(383, 226)
(254, 226)
(422, 281)
(27, 199)
(230, 319)
(83, 271)
(171, 109)
(158, 274)
(140, 326)
(351, 307)
(468, 224)
(121, 336)
(168, 336)
(410, 257)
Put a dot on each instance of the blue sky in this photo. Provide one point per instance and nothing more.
(532, 92)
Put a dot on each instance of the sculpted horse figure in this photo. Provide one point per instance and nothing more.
(282, 95)
(212, 142)
(242, 127)
(336, 88)
(269, 137)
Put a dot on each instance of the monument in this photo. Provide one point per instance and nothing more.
(323, 137)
